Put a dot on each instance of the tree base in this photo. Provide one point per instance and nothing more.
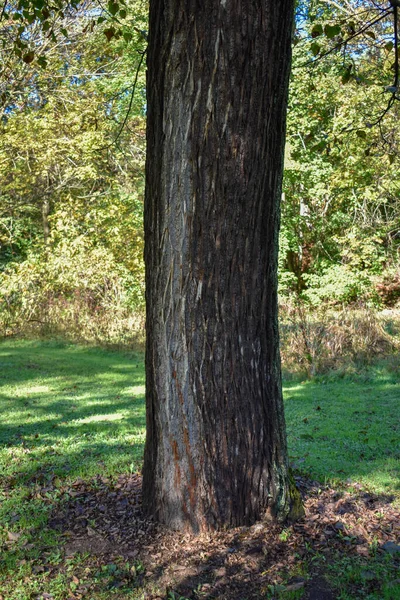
(296, 510)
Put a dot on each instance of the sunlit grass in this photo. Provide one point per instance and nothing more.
(69, 407)
(347, 429)
(72, 412)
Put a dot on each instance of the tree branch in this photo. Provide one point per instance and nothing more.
(396, 47)
(142, 55)
(3, 10)
(347, 40)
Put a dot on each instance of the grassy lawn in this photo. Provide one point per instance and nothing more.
(347, 429)
(67, 413)
(71, 413)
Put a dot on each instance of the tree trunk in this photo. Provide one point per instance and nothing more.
(217, 93)
(45, 219)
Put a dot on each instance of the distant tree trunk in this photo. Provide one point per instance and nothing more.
(217, 93)
(45, 219)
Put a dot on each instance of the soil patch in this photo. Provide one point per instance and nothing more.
(318, 589)
(105, 519)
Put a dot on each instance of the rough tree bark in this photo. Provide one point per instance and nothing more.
(217, 93)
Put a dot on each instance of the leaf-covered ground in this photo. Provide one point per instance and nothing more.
(71, 526)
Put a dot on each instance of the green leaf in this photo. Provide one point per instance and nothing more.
(347, 74)
(42, 62)
(123, 13)
(317, 30)
(361, 134)
(331, 31)
(109, 33)
(127, 36)
(320, 146)
(351, 27)
(113, 8)
(28, 57)
(389, 46)
(21, 44)
(315, 48)
(370, 34)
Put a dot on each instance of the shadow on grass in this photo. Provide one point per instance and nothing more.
(346, 429)
(68, 411)
(72, 415)
(61, 419)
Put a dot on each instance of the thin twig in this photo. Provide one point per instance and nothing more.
(394, 95)
(346, 41)
(3, 10)
(396, 48)
(142, 55)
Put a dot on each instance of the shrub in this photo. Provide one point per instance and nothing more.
(74, 290)
(388, 287)
(337, 284)
(317, 340)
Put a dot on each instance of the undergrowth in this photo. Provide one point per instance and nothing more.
(325, 339)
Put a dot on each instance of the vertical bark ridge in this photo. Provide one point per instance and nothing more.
(217, 86)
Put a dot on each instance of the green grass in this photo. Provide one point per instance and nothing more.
(67, 412)
(354, 579)
(70, 412)
(342, 429)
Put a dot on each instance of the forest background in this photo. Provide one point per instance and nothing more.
(72, 151)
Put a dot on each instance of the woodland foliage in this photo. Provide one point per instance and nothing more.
(72, 147)
(340, 236)
(71, 179)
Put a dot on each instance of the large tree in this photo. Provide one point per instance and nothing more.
(217, 95)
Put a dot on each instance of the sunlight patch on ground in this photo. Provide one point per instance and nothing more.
(21, 416)
(292, 388)
(137, 390)
(96, 418)
(19, 391)
(38, 389)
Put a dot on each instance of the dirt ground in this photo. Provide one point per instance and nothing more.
(104, 519)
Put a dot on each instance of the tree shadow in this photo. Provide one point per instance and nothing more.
(346, 429)
(245, 563)
(102, 516)
(65, 406)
